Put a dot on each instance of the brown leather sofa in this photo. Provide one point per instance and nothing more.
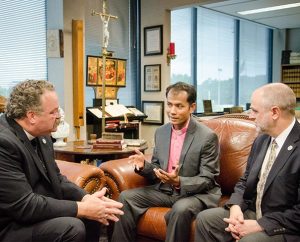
(88, 177)
(236, 134)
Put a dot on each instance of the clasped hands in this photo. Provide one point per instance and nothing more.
(138, 161)
(238, 226)
(99, 208)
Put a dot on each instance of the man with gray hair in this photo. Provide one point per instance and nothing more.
(37, 203)
(265, 205)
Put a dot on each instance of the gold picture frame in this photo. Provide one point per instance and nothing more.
(115, 71)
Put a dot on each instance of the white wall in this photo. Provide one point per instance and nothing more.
(73, 9)
(293, 37)
(56, 65)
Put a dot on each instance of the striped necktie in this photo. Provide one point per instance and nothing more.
(263, 178)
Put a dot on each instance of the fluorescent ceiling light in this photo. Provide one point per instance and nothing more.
(261, 10)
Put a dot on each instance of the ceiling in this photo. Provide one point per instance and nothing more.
(281, 19)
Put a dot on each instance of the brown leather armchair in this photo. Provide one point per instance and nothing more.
(236, 136)
(88, 177)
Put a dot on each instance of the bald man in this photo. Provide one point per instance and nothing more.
(265, 205)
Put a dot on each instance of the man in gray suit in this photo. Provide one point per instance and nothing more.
(183, 171)
(37, 203)
(265, 205)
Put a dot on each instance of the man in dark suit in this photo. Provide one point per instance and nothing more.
(265, 205)
(183, 170)
(37, 203)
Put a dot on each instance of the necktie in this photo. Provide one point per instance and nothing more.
(263, 179)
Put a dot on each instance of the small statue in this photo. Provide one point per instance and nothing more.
(63, 130)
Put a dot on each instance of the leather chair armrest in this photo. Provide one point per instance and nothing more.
(120, 176)
(88, 177)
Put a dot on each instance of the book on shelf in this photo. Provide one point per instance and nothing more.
(110, 146)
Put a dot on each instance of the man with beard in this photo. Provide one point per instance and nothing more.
(183, 169)
(265, 205)
(37, 203)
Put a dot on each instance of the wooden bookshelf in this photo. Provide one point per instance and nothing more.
(290, 75)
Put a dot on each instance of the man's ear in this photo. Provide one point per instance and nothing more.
(275, 112)
(31, 117)
(192, 107)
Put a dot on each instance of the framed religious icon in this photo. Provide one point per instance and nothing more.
(154, 111)
(153, 40)
(110, 73)
(115, 74)
(152, 78)
(92, 71)
(121, 73)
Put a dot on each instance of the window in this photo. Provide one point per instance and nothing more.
(232, 56)
(215, 62)
(181, 30)
(253, 61)
(23, 42)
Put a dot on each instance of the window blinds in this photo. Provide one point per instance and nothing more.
(23, 42)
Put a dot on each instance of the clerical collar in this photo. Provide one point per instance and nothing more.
(29, 136)
(181, 131)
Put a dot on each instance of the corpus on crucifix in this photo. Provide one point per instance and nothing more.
(105, 21)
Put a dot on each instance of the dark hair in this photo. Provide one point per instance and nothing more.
(182, 86)
(25, 96)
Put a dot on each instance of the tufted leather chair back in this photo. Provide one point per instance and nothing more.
(236, 137)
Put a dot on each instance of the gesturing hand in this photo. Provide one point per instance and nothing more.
(170, 178)
(137, 160)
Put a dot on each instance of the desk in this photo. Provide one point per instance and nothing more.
(77, 151)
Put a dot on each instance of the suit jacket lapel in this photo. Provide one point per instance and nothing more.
(19, 132)
(190, 135)
(166, 149)
(52, 176)
(287, 149)
(256, 167)
(36, 159)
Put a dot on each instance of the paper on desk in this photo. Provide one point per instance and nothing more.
(96, 111)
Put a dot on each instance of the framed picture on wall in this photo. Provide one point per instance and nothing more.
(152, 78)
(155, 112)
(153, 40)
(115, 71)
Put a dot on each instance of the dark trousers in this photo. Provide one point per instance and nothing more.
(210, 227)
(62, 229)
(137, 201)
